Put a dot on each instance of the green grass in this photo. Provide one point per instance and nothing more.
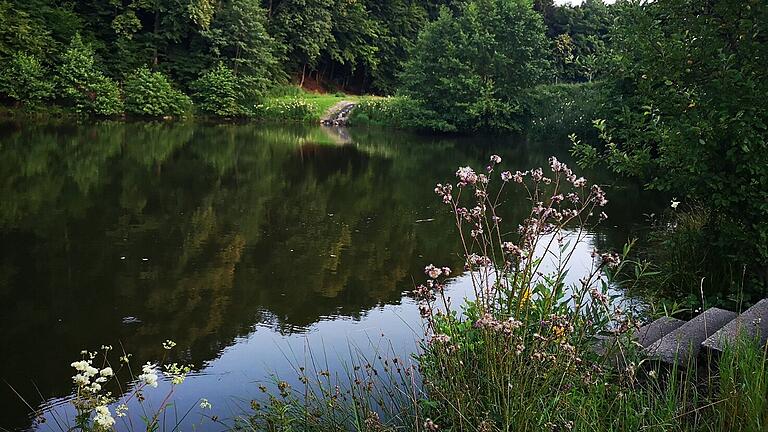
(315, 106)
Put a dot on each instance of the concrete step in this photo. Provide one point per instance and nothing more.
(684, 343)
(752, 323)
(651, 332)
(608, 346)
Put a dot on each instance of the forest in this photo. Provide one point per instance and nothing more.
(143, 56)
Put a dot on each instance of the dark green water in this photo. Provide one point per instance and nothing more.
(236, 241)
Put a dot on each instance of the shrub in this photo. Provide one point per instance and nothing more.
(25, 80)
(467, 71)
(150, 93)
(562, 109)
(83, 85)
(399, 112)
(689, 115)
(217, 92)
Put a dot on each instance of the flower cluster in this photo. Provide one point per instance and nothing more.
(149, 375)
(505, 327)
(92, 402)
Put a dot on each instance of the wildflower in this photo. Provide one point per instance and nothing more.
(674, 203)
(149, 375)
(518, 177)
(495, 159)
(126, 358)
(580, 182)
(652, 374)
(121, 410)
(106, 347)
(81, 380)
(81, 365)
(204, 404)
(440, 338)
(432, 271)
(525, 295)
(512, 249)
(556, 165)
(444, 191)
(506, 176)
(95, 387)
(103, 417)
(537, 175)
(599, 195)
(466, 176)
(430, 425)
(611, 259)
(447, 271)
(106, 372)
(168, 344)
(559, 332)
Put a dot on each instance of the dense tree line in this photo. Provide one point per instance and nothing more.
(83, 53)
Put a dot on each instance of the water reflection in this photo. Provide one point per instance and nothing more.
(140, 232)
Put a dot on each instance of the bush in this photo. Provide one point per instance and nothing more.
(83, 85)
(25, 80)
(564, 109)
(217, 92)
(398, 112)
(468, 71)
(150, 93)
(689, 116)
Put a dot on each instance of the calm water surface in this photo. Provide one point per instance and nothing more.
(245, 244)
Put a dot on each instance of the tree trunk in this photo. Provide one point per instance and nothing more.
(156, 30)
(237, 60)
(303, 74)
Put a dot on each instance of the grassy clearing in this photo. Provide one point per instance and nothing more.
(295, 104)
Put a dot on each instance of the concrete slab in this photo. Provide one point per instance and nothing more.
(683, 344)
(651, 332)
(753, 322)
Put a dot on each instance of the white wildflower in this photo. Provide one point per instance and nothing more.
(204, 404)
(106, 372)
(674, 203)
(168, 344)
(103, 417)
(81, 380)
(121, 410)
(81, 365)
(149, 375)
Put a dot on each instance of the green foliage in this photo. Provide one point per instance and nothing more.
(690, 118)
(555, 111)
(304, 26)
(399, 112)
(83, 85)
(469, 70)
(25, 80)
(19, 31)
(239, 33)
(579, 38)
(217, 93)
(150, 94)
(291, 109)
(743, 387)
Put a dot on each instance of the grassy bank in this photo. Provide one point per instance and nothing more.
(291, 103)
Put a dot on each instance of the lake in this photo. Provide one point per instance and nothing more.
(245, 244)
